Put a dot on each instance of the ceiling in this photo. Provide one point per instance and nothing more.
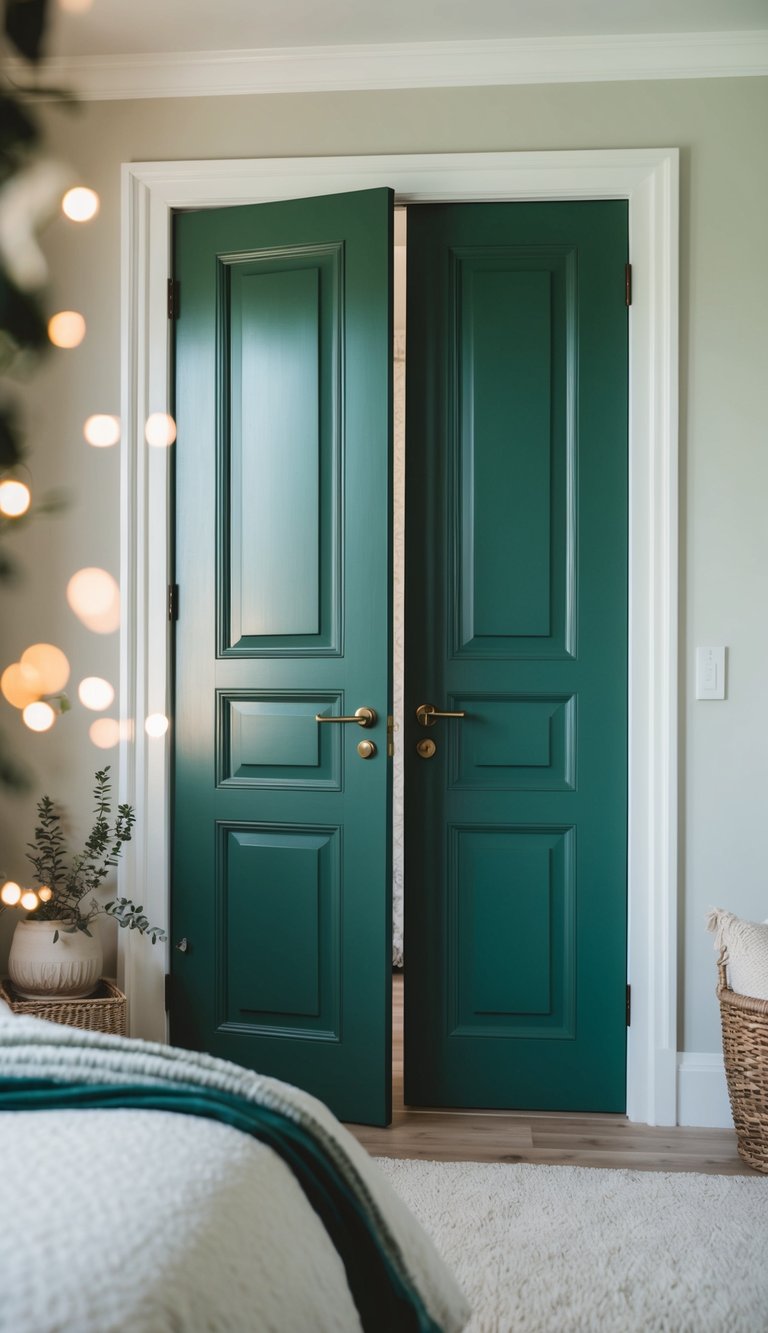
(121, 27)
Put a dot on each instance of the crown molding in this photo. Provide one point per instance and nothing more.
(702, 55)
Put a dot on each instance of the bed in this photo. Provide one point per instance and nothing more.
(146, 1188)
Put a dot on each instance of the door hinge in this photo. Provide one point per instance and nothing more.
(167, 992)
(390, 736)
(173, 298)
(628, 283)
(173, 601)
(629, 1006)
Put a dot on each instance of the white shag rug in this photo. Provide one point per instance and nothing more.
(568, 1249)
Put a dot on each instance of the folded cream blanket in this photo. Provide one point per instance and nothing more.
(44, 1060)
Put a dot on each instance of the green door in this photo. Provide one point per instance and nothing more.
(516, 618)
(281, 897)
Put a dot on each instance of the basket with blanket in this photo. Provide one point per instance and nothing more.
(743, 995)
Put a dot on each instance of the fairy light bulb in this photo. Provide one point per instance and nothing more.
(95, 599)
(10, 893)
(39, 716)
(102, 431)
(80, 204)
(29, 901)
(21, 685)
(160, 430)
(105, 733)
(15, 498)
(156, 724)
(50, 664)
(95, 693)
(66, 329)
(45, 894)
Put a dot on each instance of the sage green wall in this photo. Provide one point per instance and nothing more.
(720, 127)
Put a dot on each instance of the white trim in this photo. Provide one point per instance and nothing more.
(702, 1091)
(648, 178)
(687, 55)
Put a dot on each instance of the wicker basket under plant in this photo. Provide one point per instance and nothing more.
(745, 1048)
(104, 1011)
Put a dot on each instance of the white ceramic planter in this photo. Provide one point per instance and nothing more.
(70, 968)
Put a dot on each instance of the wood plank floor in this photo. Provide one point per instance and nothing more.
(544, 1137)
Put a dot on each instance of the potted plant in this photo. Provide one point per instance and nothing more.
(54, 951)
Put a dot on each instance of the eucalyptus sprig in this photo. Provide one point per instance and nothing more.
(63, 883)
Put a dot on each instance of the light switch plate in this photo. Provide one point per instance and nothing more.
(710, 673)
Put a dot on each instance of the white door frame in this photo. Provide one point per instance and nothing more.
(648, 179)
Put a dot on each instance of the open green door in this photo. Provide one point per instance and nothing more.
(281, 888)
(516, 629)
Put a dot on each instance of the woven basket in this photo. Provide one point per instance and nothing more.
(104, 1011)
(745, 1048)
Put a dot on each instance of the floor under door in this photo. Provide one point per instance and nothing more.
(546, 1137)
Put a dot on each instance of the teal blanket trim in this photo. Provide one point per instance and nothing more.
(384, 1301)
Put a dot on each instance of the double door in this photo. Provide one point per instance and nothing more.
(516, 514)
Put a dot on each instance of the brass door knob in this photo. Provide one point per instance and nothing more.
(366, 749)
(427, 715)
(364, 717)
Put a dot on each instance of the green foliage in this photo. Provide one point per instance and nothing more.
(73, 880)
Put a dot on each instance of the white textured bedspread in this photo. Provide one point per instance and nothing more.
(146, 1221)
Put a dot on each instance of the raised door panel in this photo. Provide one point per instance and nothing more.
(513, 539)
(280, 331)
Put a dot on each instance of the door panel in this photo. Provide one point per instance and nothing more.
(516, 616)
(281, 871)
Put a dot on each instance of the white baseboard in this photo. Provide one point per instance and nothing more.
(702, 1093)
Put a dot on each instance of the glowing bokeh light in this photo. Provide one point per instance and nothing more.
(160, 430)
(95, 599)
(105, 732)
(45, 894)
(15, 498)
(21, 685)
(156, 724)
(10, 893)
(29, 901)
(95, 693)
(75, 6)
(51, 665)
(80, 204)
(102, 431)
(39, 716)
(67, 329)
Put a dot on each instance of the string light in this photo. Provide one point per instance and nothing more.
(105, 732)
(66, 329)
(160, 430)
(102, 431)
(10, 893)
(95, 693)
(80, 204)
(39, 716)
(45, 894)
(51, 666)
(95, 599)
(156, 724)
(15, 498)
(29, 901)
(21, 685)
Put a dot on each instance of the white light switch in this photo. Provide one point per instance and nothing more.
(710, 673)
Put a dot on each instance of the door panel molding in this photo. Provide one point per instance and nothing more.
(648, 179)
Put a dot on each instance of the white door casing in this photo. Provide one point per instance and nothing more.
(648, 179)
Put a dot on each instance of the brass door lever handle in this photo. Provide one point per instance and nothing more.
(364, 717)
(427, 715)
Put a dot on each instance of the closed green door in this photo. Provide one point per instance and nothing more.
(281, 898)
(516, 617)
